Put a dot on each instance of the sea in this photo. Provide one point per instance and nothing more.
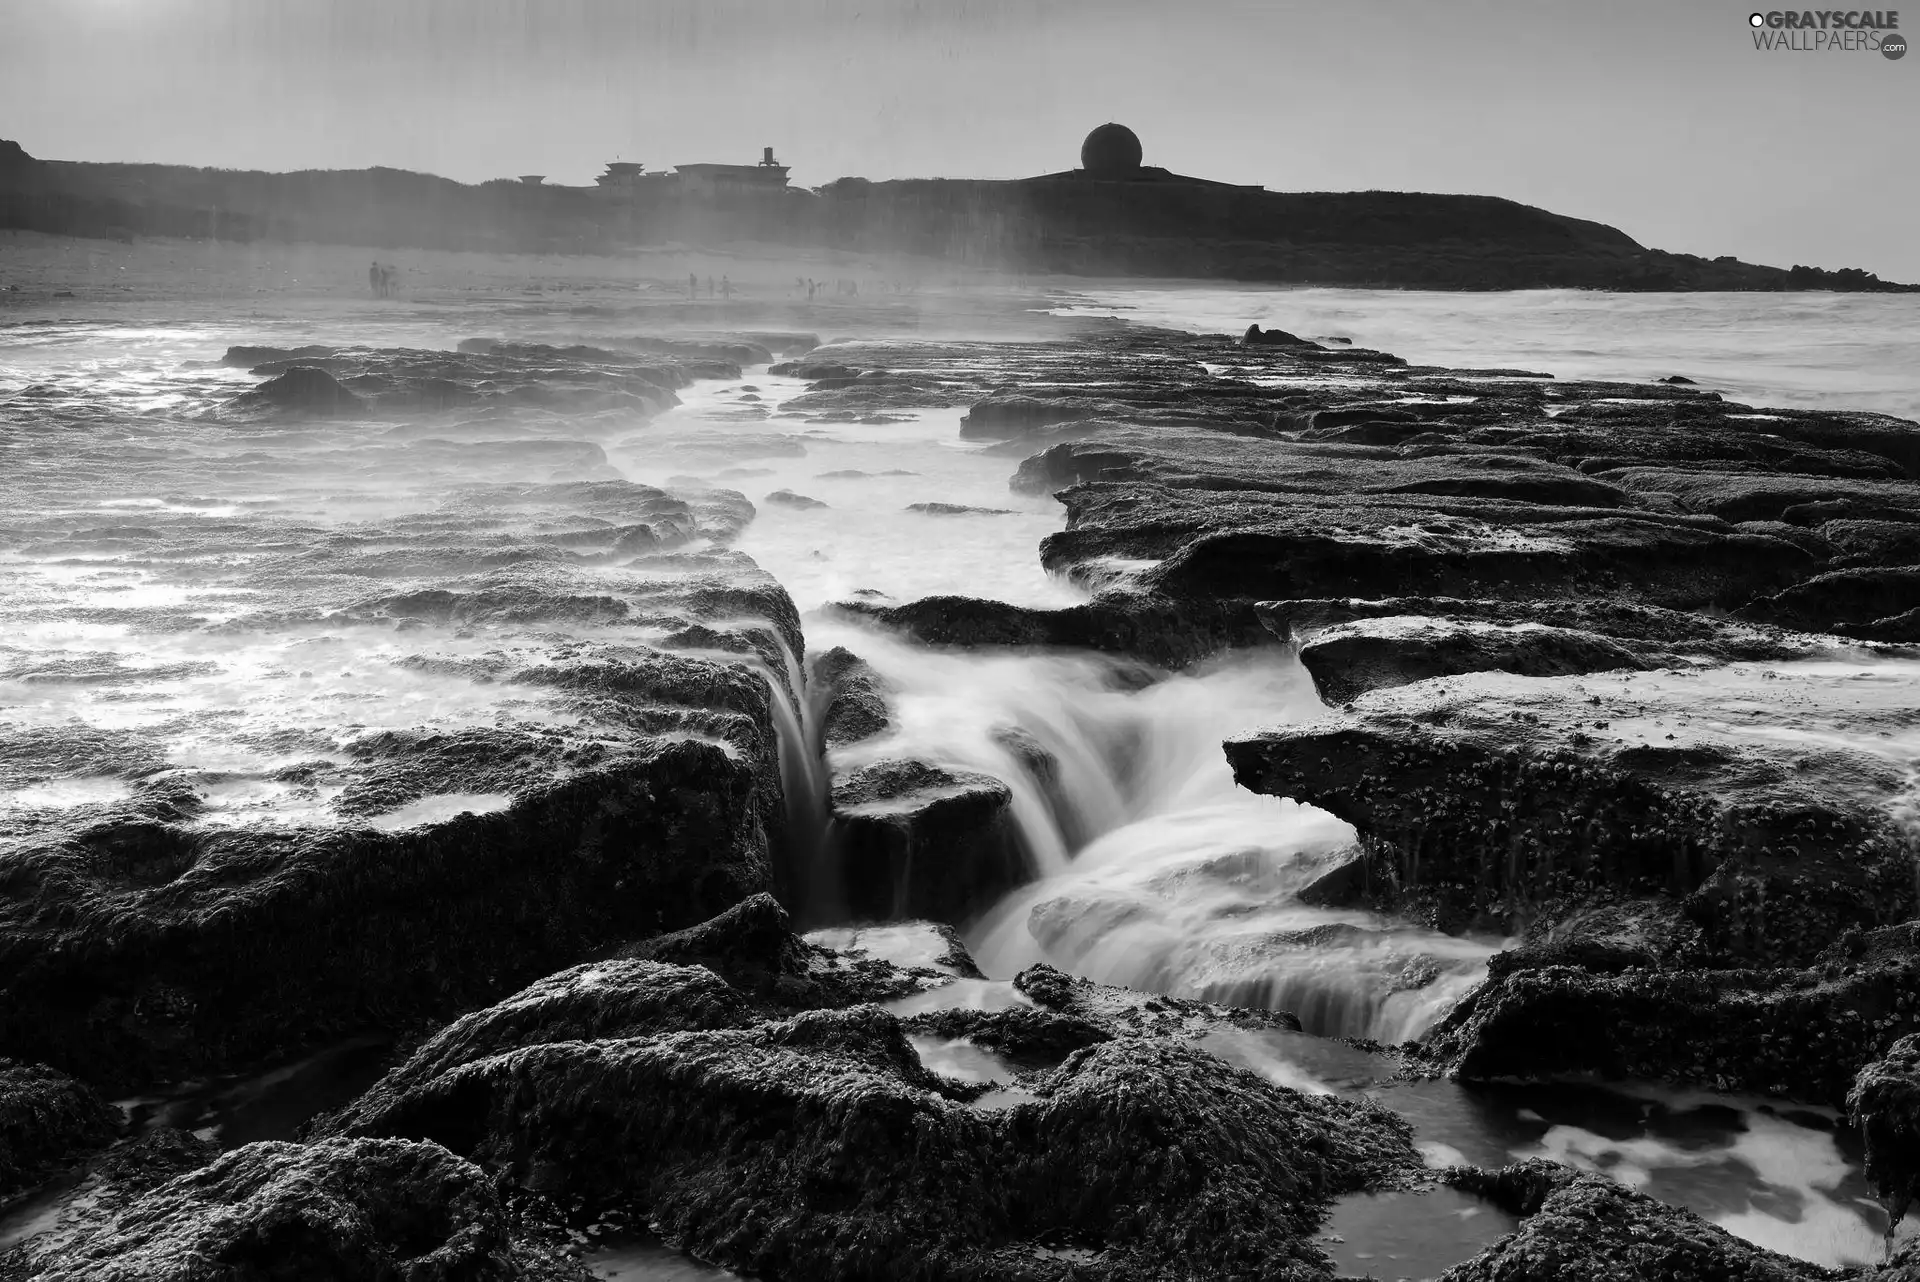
(1799, 350)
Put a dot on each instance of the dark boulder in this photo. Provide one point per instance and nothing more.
(1341, 883)
(1257, 337)
(248, 357)
(1578, 1227)
(300, 390)
(1173, 632)
(956, 509)
(46, 1120)
(1347, 660)
(918, 840)
(752, 945)
(1884, 1103)
(787, 498)
(849, 698)
(362, 1208)
(612, 999)
(1863, 602)
(1012, 415)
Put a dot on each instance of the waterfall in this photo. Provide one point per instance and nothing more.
(1155, 870)
(804, 873)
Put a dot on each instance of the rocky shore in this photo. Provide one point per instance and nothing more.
(403, 712)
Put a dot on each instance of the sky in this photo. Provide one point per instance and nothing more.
(1656, 116)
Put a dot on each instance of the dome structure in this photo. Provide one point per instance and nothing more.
(1110, 151)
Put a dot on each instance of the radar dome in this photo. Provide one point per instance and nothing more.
(1110, 150)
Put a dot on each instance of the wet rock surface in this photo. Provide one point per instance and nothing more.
(1589, 1227)
(46, 1120)
(1126, 1010)
(350, 732)
(1641, 782)
(483, 380)
(850, 695)
(1628, 1011)
(1885, 1103)
(818, 1145)
(368, 1208)
(919, 840)
(1688, 878)
(1169, 632)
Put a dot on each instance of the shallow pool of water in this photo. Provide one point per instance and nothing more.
(1412, 1234)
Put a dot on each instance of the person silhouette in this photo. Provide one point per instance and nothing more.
(726, 288)
(374, 280)
(693, 285)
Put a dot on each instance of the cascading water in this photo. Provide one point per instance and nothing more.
(803, 781)
(1155, 870)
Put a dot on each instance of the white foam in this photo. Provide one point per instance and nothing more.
(430, 810)
(66, 794)
(912, 945)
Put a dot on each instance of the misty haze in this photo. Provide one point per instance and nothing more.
(1082, 643)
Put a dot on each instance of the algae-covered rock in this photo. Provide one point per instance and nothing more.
(1885, 1105)
(849, 695)
(1798, 1032)
(1483, 797)
(442, 736)
(1579, 1227)
(919, 840)
(819, 1147)
(362, 1209)
(46, 1119)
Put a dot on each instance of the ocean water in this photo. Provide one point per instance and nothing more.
(1803, 350)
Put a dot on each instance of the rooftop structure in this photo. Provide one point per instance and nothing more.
(767, 177)
(628, 178)
(625, 177)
